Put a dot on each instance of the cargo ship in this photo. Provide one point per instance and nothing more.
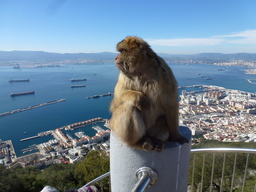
(76, 86)
(18, 80)
(22, 93)
(74, 80)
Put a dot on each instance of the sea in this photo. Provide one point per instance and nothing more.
(54, 83)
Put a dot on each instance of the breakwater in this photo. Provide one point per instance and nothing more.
(29, 138)
(30, 107)
(250, 81)
(83, 123)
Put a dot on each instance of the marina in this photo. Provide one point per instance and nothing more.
(71, 127)
(30, 107)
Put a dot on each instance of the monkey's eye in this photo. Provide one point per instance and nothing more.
(121, 50)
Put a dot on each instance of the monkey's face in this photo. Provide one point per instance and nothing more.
(132, 56)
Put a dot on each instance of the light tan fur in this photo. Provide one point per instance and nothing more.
(145, 105)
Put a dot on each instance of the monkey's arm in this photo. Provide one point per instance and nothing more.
(132, 98)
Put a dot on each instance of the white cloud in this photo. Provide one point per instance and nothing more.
(185, 42)
(247, 37)
(243, 37)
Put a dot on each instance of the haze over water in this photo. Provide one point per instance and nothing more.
(54, 83)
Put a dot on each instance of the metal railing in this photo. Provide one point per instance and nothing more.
(205, 173)
(221, 169)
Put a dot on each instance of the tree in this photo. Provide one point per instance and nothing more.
(60, 176)
(95, 164)
(28, 178)
(9, 182)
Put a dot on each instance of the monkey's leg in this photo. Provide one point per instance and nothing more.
(172, 118)
(127, 123)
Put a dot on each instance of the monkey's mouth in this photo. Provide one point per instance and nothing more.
(119, 65)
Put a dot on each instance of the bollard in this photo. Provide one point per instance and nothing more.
(171, 165)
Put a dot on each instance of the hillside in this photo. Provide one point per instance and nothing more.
(40, 57)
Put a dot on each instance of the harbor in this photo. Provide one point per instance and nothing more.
(62, 137)
(30, 107)
(70, 127)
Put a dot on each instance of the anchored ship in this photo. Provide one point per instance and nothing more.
(22, 93)
(76, 86)
(74, 80)
(18, 80)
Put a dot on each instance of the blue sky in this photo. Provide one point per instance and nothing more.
(90, 26)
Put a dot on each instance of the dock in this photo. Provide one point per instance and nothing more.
(29, 138)
(83, 124)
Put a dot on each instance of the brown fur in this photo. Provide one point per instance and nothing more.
(145, 105)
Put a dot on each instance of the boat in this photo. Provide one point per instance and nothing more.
(22, 93)
(76, 86)
(17, 66)
(107, 94)
(208, 78)
(74, 80)
(95, 96)
(18, 80)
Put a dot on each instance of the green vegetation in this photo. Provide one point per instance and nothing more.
(207, 158)
(67, 176)
(61, 176)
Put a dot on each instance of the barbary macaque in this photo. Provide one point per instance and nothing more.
(145, 106)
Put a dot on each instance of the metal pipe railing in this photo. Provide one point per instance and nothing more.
(97, 179)
(146, 178)
(247, 151)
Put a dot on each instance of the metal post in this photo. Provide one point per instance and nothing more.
(171, 166)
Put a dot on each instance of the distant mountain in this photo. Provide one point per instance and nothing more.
(44, 57)
(212, 57)
(10, 57)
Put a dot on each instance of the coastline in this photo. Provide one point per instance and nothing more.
(250, 71)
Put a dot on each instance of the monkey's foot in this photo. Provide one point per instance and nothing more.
(147, 144)
(158, 145)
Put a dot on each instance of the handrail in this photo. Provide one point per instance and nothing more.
(248, 151)
(146, 177)
(97, 179)
(221, 150)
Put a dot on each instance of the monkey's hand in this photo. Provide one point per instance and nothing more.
(137, 99)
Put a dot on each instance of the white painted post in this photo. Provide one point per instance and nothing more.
(171, 165)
